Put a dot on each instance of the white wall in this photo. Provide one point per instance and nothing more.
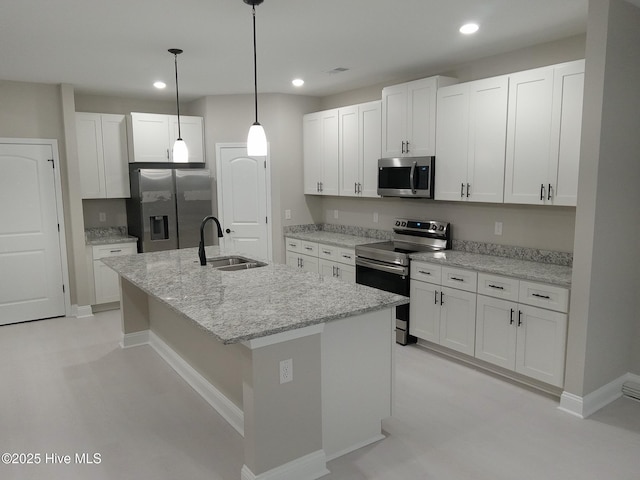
(604, 325)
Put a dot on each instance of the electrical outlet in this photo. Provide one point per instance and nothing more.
(375, 217)
(287, 214)
(335, 213)
(286, 370)
(102, 216)
(498, 228)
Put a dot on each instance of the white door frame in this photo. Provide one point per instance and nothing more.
(53, 143)
(219, 147)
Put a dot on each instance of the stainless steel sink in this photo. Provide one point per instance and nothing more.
(233, 262)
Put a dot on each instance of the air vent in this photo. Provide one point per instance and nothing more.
(337, 70)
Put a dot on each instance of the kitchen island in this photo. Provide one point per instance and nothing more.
(300, 365)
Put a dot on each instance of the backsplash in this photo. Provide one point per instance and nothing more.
(96, 233)
(508, 251)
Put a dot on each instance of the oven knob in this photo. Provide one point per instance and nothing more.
(433, 226)
(397, 223)
(404, 224)
(441, 227)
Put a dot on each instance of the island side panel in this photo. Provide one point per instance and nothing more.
(134, 308)
(357, 380)
(283, 422)
(219, 364)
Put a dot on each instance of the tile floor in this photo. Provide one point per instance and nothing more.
(67, 388)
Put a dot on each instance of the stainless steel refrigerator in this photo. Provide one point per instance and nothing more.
(167, 206)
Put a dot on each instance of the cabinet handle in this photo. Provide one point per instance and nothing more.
(326, 252)
(542, 191)
(468, 189)
(359, 188)
(337, 272)
(511, 317)
(115, 251)
(519, 317)
(461, 190)
(407, 147)
(457, 279)
(549, 193)
(168, 154)
(424, 273)
(435, 297)
(441, 302)
(308, 248)
(497, 287)
(321, 186)
(355, 187)
(346, 256)
(403, 146)
(293, 244)
(546, 297)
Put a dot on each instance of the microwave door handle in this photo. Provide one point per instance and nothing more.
(411, 177)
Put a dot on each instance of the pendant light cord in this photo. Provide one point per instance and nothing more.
(255, 64)
(175, 55)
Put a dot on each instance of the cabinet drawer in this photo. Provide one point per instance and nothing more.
(309, 248)
(113, 250)
(499, 287)
(426, 272)
(460, 279)
(328, 252)
(545, 296)
(293, 245)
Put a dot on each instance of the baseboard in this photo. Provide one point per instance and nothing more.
(225, 407)
(135, 339)
(309, 467)
(81, 311)
(583, 407)
(355, 447)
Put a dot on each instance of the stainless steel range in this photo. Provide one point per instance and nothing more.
(385, 265)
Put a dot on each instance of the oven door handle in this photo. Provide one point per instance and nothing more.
(383, 267)
(412, 176)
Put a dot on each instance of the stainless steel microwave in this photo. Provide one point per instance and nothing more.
(406, 177)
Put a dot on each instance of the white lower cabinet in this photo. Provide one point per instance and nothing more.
(328, 260)
(526, 339)
(441, 314)
(515, 324)
(105, 281)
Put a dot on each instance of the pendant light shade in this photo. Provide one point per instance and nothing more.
(257, 139)
(180, 153)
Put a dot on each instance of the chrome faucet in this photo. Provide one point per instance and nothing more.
(201, 254)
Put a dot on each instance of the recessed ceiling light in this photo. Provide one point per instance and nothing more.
(159, 85)
(297, 82)
(469, 28)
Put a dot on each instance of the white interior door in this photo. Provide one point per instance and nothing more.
(31, 271)
(243, 201)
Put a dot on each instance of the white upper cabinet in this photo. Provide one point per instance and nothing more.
(543, 134)
(102, 154)
(471, 136)
(359, 137)
(409, 117)
(153, 135)
(320, 144)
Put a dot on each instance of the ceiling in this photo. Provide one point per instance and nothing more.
(119, 47)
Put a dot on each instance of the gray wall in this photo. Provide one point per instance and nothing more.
(604, 326)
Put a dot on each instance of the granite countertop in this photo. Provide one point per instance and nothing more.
(242, 305)
(510, 267)
(332, 238)
(107, 235)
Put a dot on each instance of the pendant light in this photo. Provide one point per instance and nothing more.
(180, 151)
(256, 140)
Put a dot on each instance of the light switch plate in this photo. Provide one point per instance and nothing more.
(287, 214)
(498, 228)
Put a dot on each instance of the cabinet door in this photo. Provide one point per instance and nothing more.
(309, 264)
(528, 136)
(541, 343)
(90, 155)
(293, 259)
(116, 157)
(346, 273)
(327, 268)
(566, 128)
(329, 181)
(370, 141)
(458, 320)
(496, 331)
(150, 137)
(487, 140)
(394, 120)
(421, 117)
(349, 151)
(312, 146)
(424, 311)
(452, 142)
(106, 283)
(192, 134)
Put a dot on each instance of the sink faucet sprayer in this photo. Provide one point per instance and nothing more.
(201, 254)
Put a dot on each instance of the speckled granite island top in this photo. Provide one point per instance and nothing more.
(242, 305)
(509, 267)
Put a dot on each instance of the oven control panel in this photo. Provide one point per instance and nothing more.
(431, 226)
